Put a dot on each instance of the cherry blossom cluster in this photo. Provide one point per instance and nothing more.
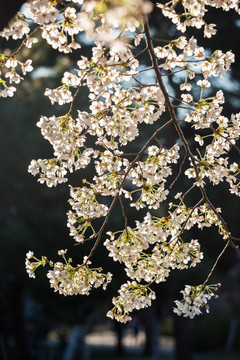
(213, 162)
(185, 54)
(192, 13)
(59, 24)
(67, 279)
(144, 262)
(9, 64)
(217, 170)
(150, 176)
(157, 265)
(133, 296)
(31, 266)
(122, 102)
(86, 208)
(67, 138)
(114, 113)
(195, 298)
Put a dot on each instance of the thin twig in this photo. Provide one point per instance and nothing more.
(173, 72)
(24, 41)
(141, 52)
(179, 172)
(216, 262)
(188, 191)
(123, 212)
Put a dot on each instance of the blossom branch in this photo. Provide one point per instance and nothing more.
(166, 96)
(164, 126)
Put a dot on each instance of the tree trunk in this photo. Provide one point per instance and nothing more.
(182, 336)
(17, 319)
(118, 327)
(151, 330)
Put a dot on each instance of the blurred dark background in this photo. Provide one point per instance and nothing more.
(38, 324)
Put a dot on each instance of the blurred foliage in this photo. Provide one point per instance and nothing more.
(215, 330)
